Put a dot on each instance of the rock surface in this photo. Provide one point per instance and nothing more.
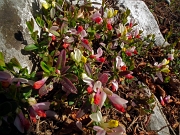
(158, 121)
(13, 30)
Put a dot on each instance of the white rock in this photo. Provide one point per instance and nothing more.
(81, 2)
(13, 17)
(158, 120)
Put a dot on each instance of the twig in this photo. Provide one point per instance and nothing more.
(162, 128)
(135, 119)
(37, 125)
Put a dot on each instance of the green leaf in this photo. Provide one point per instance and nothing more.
(48, 59)
(24, 71)
(52, 13)
(16, 63)
(58, 6)
(44, 67)
(40, 22)
(34, 35)
(30, 25)
(54, 33)
(167, 79)
(5, 108)
(1, 56)
(2, 63)
(27, 94)
(33, 74)
(71, 102)
(30, 47)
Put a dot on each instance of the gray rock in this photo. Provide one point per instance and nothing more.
(144, 19)
(158, 121)
(13, 30)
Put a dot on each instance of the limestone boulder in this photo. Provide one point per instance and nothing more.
(13, 31)
(158, 121)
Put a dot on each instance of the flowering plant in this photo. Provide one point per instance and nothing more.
(82, 51)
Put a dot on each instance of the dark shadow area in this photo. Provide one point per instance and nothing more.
(32, 58)
(35, 8)
(19, 36)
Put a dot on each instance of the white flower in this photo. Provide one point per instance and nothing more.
(76, 55)
(97, 117)
(119, 62)
(44, 4)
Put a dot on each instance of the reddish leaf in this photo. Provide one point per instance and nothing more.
(61, 60)
(54, 28)
(68, 85)
(43, 90)
(123, 73)
(4, 76)
(86, 46)
(72, 77)
(88, 69)
(64, 69)
(103, 78)
(84, 109)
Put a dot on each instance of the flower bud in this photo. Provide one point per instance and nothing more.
(32, 101)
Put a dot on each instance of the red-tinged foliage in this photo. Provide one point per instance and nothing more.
(89, 90)
(103, 78)
(98, 20)
(85, 41)
(5, 84)
(130, 37)
(26, 124)
(129, 76)
(85, 45)
(38, 84)
(123, 68)
(41, 113)
(128, 53)
(102, 59)
(138, 36)
(53, 38)
(61, 59)
(109, 26)
(68, 85)
(97, 99)
(33, 118)
(135, 52)
(92, 56)
(88, 69)
(79, 29)
(65, 45)
(119, 107)
(113, 88)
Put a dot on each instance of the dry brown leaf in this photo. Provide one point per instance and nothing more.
(161, 91)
